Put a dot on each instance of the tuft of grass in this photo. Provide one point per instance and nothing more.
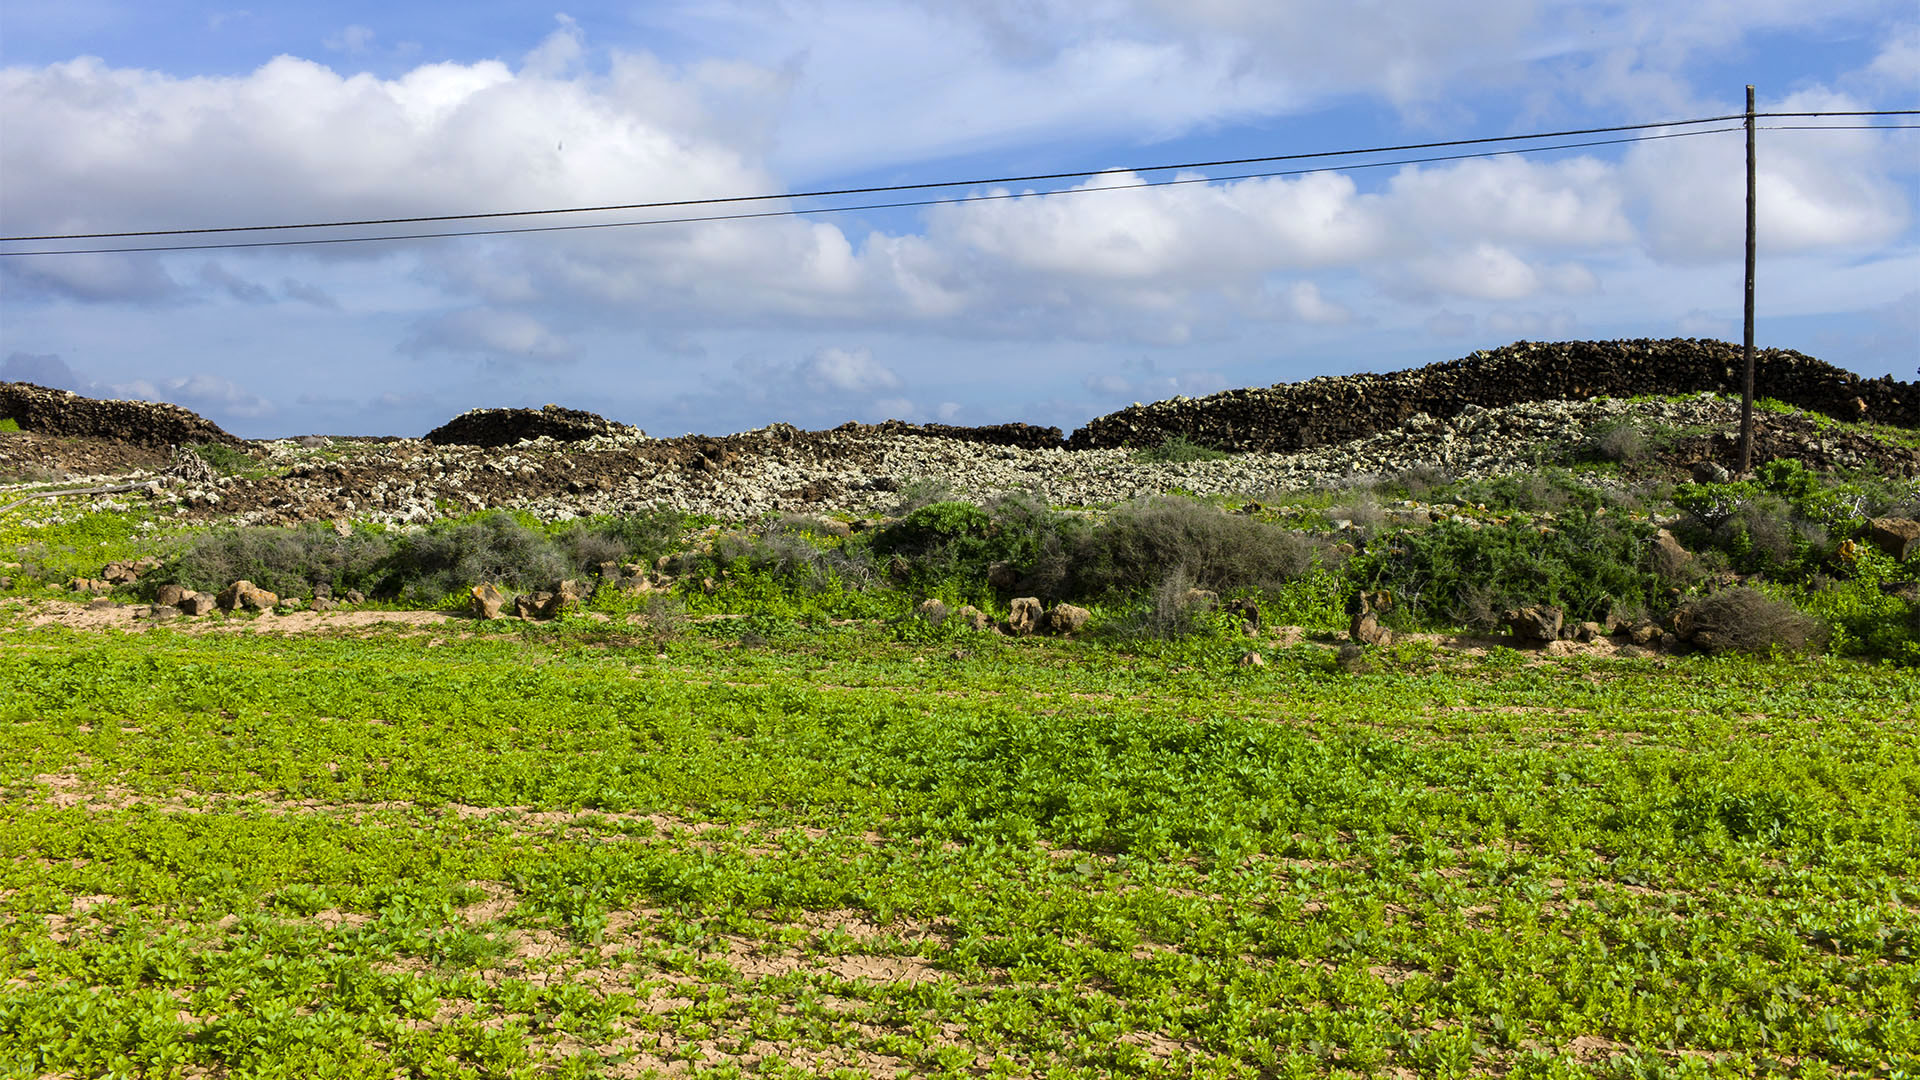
(1178, 449)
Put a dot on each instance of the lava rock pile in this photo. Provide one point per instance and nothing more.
(507, 427)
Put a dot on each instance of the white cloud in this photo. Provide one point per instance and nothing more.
(354, 39)
(848, 371)
(1898, 64)
(489, 333)
(1815, 190)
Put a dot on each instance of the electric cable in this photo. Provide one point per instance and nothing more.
(903, 187)
(798, 212)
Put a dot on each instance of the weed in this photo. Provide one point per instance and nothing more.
(224, 459)
(9, 424)
(1178, 449)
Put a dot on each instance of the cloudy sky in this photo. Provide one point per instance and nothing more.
(116, 115)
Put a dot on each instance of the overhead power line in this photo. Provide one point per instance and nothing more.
(876, 190)
(753, 215)
(788, 212)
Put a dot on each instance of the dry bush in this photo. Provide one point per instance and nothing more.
(1744, 620)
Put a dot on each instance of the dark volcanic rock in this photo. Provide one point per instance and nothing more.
(1335, 409)
(505, 427)
(1022, 436)
(142, 423)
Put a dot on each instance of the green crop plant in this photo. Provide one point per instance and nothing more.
(849, 852)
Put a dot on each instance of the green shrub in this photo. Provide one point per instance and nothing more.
(791, 559)
(224, 459)
(1141, 544)
(588, 542)
(1619, 441)
(288, 561)
(1542, 491)
(1176, 449)
(8, 423)
(1459, 574)
(448, 557)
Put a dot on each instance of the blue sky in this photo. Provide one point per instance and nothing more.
(170, 115)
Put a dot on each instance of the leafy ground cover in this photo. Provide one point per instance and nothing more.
(760, 848)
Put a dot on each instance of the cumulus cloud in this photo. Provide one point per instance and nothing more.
(490, 334)
(850, 371)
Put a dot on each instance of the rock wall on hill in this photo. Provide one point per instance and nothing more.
(1334, 409)
(506, 427)
(1023, 436)
(140, 423)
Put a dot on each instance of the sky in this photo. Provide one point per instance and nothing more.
(1050, 309)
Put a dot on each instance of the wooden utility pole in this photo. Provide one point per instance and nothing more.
(1746, 394)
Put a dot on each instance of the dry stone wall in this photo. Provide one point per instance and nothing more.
(1335, 409)
(140, 423)
(508, 427)
(1021, 436)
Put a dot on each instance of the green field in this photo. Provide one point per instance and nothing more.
(854, 851)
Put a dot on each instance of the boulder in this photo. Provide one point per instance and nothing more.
(355, 596)
(1351, 658)
(90, 586)
(324, 603)
(1589, 631)
(1067, 619)
(1200, 600)
(486, 601)
(529, 605)
(162, 612)
(245, 596)
(1669, 557)
(1535, 624)
(1366, 630)
(1249, 612)
(1023, 615)
(931, 611)
(1002, 577)
(197, 604)
(568, 597)
(169, 595)
(1898, 537)
(973, 618)
(1252, 659)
